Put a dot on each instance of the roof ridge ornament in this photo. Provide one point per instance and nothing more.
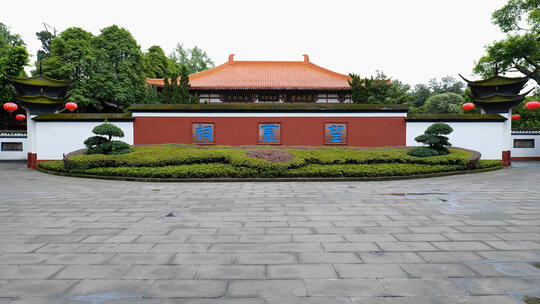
(231, 57)
(306, 58)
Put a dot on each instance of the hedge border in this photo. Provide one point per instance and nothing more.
(276, 179)
(489, 117)
(270, 107)
(84, 117)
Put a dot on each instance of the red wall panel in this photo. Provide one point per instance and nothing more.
(304, 131)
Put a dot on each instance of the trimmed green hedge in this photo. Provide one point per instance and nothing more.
(488, 117)
(83, 117)
(190, 162)
(159, 156)
(269, 107)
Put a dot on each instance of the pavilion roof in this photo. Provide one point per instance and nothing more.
(39, 99)
(500, 98)
(496, 81)
(265, 75)
(40, 81)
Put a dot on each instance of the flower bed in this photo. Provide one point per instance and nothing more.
(171, 161)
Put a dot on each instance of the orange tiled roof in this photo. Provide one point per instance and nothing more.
(271, 75)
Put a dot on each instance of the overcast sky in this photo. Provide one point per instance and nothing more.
(412, 41)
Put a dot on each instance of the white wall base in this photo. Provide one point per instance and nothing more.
(484, 137)
(54, 138)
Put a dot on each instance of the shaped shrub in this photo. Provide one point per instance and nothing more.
(435, 139)
(102, 143)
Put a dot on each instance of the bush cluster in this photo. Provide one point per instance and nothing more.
(189, 162)
(435, 139)
(102, 142)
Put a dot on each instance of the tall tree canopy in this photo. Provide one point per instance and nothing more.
(13, 59)
(119, 74)
(422, 92)
(378, 89)
(72, 57)
(157, 64)
(520, 50)
(46, 37)
(444, 103)
(195, 60)
(108, 68)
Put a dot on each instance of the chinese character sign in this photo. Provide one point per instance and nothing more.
(269, 133)
(202, 133)
(335, 133)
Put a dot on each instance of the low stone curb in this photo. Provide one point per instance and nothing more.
(273, 179)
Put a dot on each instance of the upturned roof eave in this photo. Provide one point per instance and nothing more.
(39, 99)
(490, 82)
(40, 81)
(217, 88)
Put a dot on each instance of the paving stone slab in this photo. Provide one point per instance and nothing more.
(369, 271)
(188, 288)
(425, 287)
(226, 272)
(160, 272)
(438, 270)
(269, 242)
(493, 286)
(304, 271)
(345, 287)
(266, 288)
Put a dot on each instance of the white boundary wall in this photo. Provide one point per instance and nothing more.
(54, 138)
(484, 137)
(14, 155)
(526, 152)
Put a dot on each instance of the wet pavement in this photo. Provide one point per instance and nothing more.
(457, 239)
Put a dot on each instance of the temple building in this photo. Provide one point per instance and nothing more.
(268, 81)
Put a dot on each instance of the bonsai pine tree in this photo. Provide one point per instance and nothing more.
(435, 139)
(102, 142)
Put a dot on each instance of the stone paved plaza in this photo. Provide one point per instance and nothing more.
(458, 239)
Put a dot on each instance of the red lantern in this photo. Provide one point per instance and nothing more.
(71, 106)
(10, 107)
(516, 116)
(20, 117)
(532, 105)
(468, 106)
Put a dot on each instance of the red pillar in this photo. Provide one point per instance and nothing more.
(31, 161)
(506, 159)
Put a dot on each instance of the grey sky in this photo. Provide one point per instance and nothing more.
(412, 40)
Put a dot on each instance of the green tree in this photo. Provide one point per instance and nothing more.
(447, 84)
(150, 95)
(435, 139)
(420, 93)
(157, 64)
(520, 50)
(46, 37)
(73, 57)
(443, 103)
(9, 39)
(530, 119)
(195, 59)
(384, 90)
(176, 89)
(119, 73)
(102, 142)
(13, 59)
(380, 89)
(359, 88)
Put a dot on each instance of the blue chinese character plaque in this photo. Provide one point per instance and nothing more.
(335, 133)
(269, 133)
(202, 133)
